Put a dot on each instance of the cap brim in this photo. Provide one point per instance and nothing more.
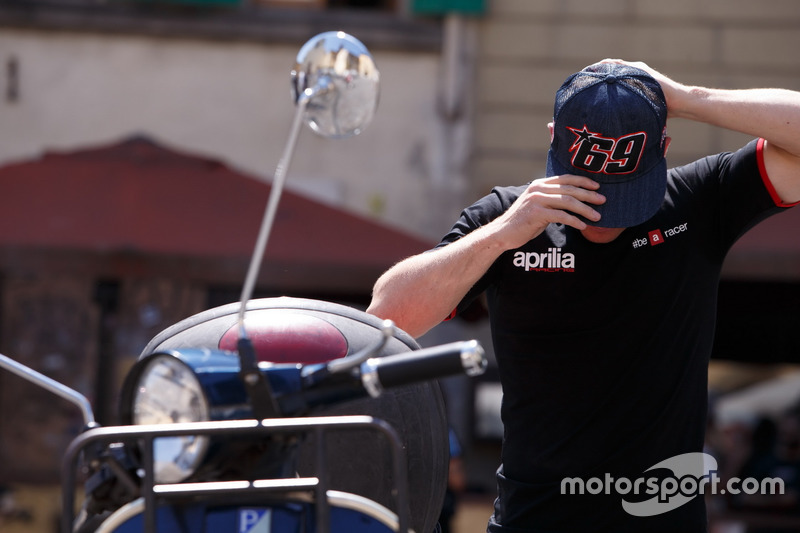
(628, 203)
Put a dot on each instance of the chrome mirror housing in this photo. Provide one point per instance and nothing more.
(338, 76)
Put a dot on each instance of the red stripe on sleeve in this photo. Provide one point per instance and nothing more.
(762, 168)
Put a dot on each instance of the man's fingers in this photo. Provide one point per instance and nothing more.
(570, 179)
(568, 200)
(568, 219)
(573, 205)
(567, 188)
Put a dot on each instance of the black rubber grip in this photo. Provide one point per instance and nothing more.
(422, 365)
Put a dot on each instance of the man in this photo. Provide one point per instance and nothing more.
(601, 281)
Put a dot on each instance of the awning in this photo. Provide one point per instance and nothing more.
(137, 199)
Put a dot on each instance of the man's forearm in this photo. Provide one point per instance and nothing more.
(423, 290)
(773, 114)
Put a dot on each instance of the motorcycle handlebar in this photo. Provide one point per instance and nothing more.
(337, 381)
(457, 358)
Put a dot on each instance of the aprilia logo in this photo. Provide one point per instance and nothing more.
(551, 261)
(603, 155)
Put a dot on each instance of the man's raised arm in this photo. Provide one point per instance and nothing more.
(772, 114)
(421, 291)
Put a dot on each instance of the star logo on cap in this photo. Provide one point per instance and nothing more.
(582, 136)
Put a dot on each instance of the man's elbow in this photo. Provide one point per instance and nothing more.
(375, 308)
(381, 308)
(403, 321)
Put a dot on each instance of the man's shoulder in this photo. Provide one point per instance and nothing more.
(713, 165)
(505, 195)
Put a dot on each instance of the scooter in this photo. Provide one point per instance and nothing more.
(273, 415)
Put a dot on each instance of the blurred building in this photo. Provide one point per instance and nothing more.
(467, 88)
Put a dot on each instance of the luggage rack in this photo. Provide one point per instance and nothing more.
(153, 493)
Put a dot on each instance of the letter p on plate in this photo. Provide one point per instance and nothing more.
(254, 520)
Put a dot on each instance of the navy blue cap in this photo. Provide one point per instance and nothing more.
(610, 125)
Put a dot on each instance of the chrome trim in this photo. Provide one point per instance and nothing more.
(71, 395)
(473, 358)
(121, 515)
(370, 378)
(347, 500)
(233, 428)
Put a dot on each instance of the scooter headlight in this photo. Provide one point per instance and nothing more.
(168, 392)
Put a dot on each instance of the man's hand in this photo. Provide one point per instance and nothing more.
(674, 92)
(557, 199)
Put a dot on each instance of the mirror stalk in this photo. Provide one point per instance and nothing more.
(272, 208)
(335, 71)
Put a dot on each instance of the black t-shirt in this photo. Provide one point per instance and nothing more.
(603, 349)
